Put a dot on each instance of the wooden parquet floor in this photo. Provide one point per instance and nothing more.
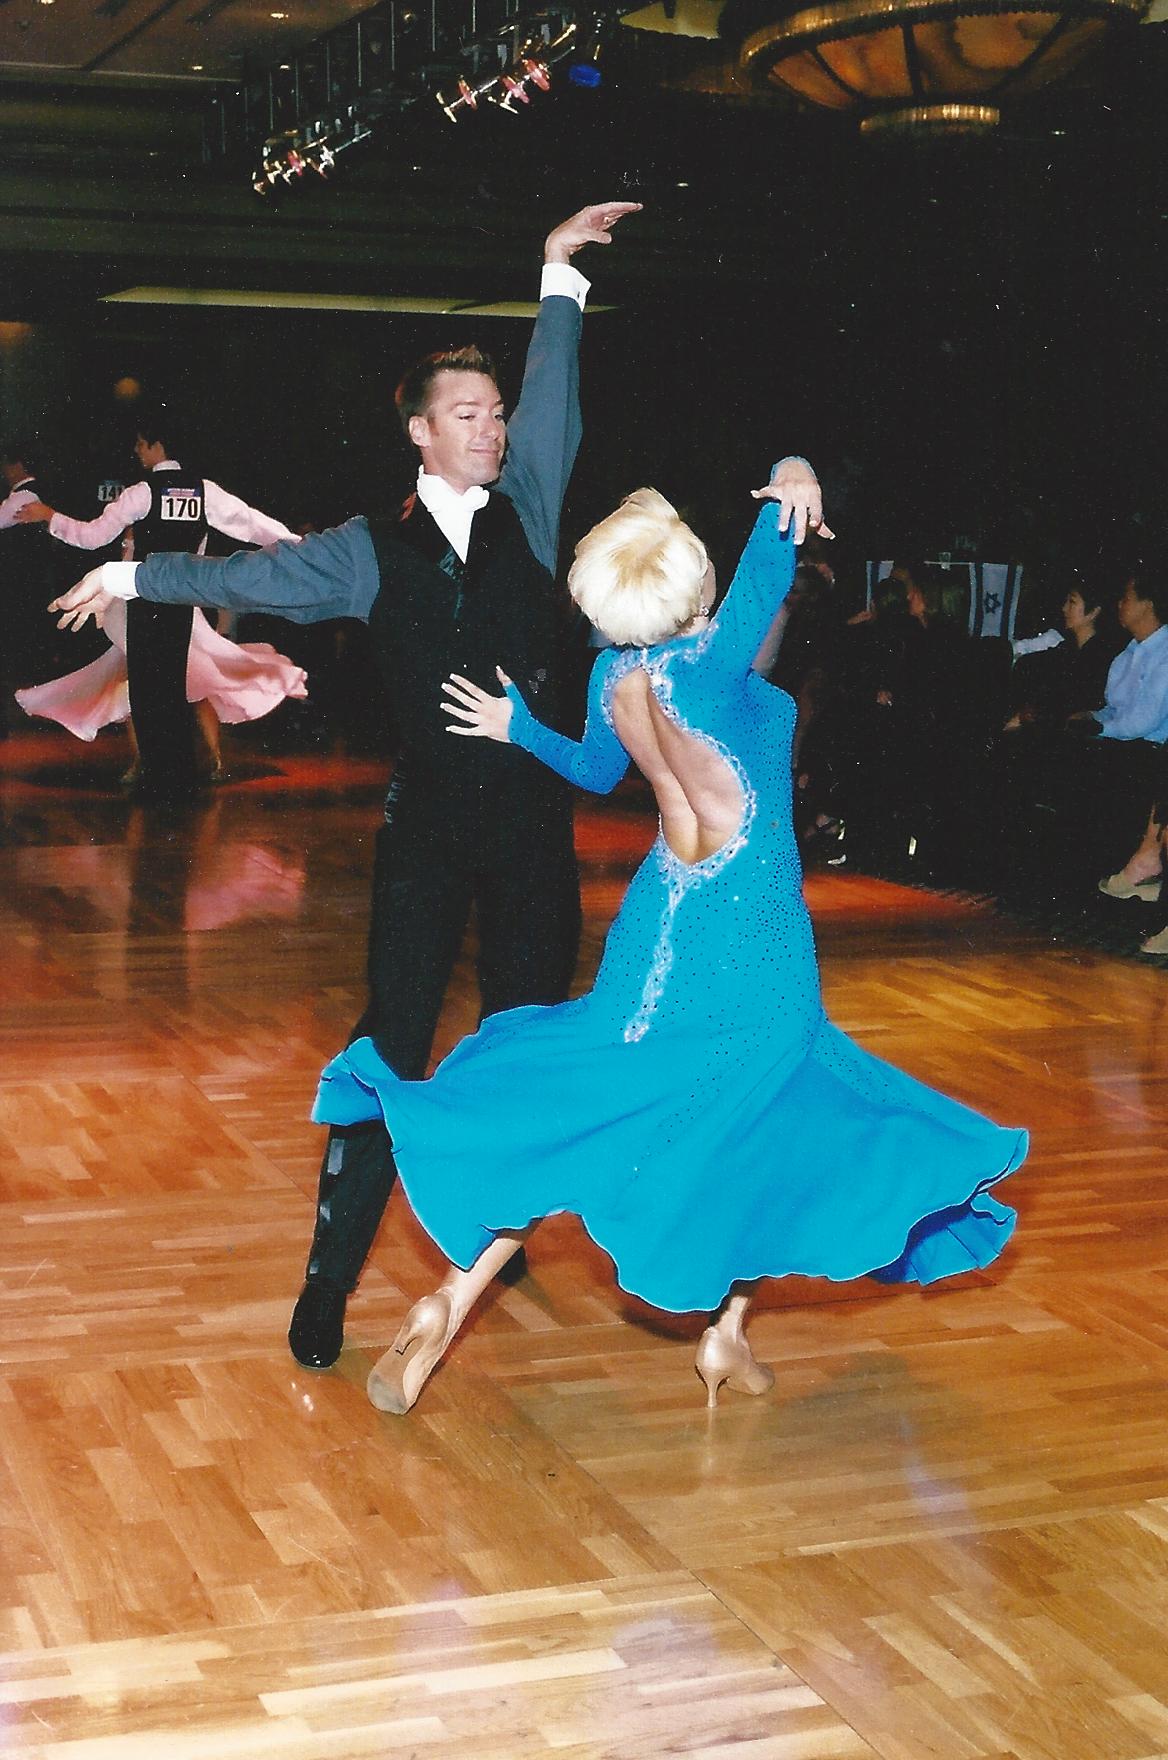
(943, 1537)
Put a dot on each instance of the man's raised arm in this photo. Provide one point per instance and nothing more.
(326, 574)
(543, 435)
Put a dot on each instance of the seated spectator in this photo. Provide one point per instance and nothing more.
(1101, 775)
(1135, 703)
(1069, 676)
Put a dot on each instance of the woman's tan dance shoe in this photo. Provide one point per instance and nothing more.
(399, 1376)
(721, 1359)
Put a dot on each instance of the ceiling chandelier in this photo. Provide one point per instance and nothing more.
(911, 64)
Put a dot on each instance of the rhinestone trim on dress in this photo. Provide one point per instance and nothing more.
(681, 877)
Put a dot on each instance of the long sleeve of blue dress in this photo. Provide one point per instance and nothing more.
(761, 583)
(596, 762)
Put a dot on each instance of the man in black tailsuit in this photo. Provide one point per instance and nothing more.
(171, 509)
(25, 578)
(461, 582)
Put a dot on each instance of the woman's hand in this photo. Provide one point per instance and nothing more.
(485, 717)
(795, 487)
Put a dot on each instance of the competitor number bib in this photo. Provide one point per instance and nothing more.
(180, 504)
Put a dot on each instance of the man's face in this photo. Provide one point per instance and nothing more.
(1131, 608)
(149, 452)
(463, 434)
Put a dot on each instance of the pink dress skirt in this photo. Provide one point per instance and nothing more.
(240, 680)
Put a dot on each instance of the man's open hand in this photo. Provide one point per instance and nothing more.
(590, 226)
(94, 594)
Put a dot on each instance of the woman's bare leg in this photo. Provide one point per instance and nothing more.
(430, 1326)
(1144, 861)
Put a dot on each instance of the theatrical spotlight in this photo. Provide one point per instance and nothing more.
(523, 62)
(515, 84)
(288, 157)
(468, 96)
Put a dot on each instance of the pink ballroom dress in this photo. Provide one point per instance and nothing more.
(241, 680)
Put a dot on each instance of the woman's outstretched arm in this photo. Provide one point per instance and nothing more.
(764, 574)
(596, 762)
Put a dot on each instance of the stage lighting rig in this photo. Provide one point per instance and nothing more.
(296, 121)
(524, 53)
(316, 148)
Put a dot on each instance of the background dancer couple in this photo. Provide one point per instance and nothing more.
(698, 1111)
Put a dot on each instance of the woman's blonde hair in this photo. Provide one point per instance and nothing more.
(638, 574)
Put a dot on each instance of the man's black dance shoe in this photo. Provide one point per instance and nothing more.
(317, 1331)
(514, 1270)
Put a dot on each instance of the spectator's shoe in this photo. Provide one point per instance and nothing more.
(317, 1331)
(1119, 886)
(1156, 944)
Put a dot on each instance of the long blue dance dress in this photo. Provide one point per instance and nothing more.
(697, 1110)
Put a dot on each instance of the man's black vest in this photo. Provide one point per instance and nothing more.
(24, 559)
(28, 583)
(177, 519)
(435, 615)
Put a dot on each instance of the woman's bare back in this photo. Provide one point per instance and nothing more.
(698, 795)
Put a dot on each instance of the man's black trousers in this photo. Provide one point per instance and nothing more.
(158, 640)
(525, 892)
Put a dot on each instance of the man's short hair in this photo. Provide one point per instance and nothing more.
(412, 396)
(155, 424)
(20, 450)
(638, 574)
(1149, 577)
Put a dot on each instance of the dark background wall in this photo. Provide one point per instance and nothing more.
(966, 337)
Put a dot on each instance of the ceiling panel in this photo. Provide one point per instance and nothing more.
(158, 39)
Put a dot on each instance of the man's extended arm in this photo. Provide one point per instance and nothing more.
(543, 435)
(94, 534)
(327, 574)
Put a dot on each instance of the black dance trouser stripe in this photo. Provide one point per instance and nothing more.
(528, 910)
(158, 639)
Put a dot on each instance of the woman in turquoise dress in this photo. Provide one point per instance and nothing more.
(696, 1109)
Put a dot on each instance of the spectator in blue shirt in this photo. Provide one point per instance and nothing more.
(1136, 699)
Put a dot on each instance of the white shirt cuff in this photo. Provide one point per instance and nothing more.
(118, 579)
(1049, 638)
(563, 279)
